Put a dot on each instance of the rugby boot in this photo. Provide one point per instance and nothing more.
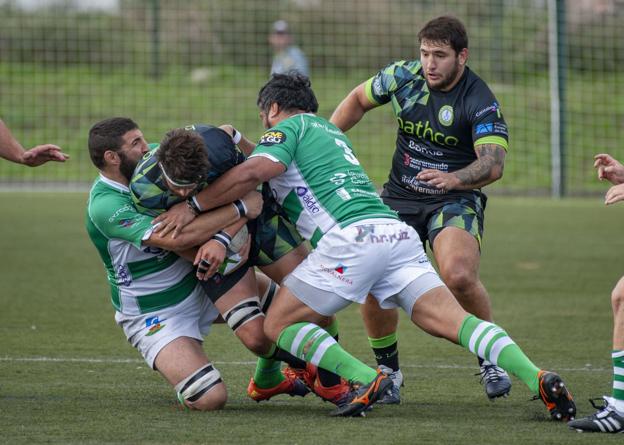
(556, 397)
(605, 420)
(307, 375)
(394, 396)
(365, 396)
(338, 394)
(290, 385)
(495, 381)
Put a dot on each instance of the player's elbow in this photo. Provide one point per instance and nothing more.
(496, 172)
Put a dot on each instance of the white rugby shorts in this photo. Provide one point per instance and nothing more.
(150, 332)
(380, 256)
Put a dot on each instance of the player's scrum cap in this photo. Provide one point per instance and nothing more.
(222, 152)
(280, 27)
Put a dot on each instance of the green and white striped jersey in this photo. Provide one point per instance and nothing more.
(142, 278)
(324, 183)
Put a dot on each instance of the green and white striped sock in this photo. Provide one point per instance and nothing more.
(491, 343)
(617, 356)
(313, 344)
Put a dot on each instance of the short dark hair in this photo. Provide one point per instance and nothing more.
(291, 92)
(106, 135)
(445, 29)
(183, 156)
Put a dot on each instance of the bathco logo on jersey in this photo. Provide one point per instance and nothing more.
(308, 200)
(272, 137)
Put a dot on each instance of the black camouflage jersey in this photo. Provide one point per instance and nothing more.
(148, 189)
(437, 130)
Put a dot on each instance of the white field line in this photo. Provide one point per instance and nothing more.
(242, 363)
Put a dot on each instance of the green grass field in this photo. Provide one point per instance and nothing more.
(67, 374)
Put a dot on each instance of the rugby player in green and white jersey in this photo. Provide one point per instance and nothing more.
(157, 299)
(165, 177)
(361, 247)
(451, 141)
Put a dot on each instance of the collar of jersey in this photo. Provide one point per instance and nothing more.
(118, 185)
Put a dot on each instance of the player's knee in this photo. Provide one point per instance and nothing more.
(213, 400)
(617, 298)
(203, 390)
(459, 280)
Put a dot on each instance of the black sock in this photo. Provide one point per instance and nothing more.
(287, 357)
(388, 356)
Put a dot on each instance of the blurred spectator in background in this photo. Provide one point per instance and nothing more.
(12, 150)
(286, 55)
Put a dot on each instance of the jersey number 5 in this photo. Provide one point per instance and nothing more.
(348, 153)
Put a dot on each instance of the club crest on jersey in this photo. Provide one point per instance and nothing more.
(445, 115)
(272, 137)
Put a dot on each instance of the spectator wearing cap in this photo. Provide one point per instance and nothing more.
(286, 55)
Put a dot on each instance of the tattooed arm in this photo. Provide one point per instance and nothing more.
(486, 169)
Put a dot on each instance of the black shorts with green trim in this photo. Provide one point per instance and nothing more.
(428, 216)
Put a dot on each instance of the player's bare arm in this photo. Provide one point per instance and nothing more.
(246, 145)
(203, 252)
(350, 111)
(12, 150)
(180, 215)
(238, 181)
(214, 251)
(485, 170)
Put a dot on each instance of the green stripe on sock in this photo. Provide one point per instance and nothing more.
(618, 374)
(383, 342)
(333, 359)
(468, 326)
(511, 358)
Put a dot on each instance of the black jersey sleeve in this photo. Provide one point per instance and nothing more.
(488, 123)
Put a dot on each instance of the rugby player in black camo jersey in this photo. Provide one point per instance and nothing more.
(451, 141)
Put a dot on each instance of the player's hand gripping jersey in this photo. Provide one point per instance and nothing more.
(437, 130)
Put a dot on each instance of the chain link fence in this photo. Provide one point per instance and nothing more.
(67, 64)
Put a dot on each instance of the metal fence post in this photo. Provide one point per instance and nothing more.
(557, 71)
(155, 71)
